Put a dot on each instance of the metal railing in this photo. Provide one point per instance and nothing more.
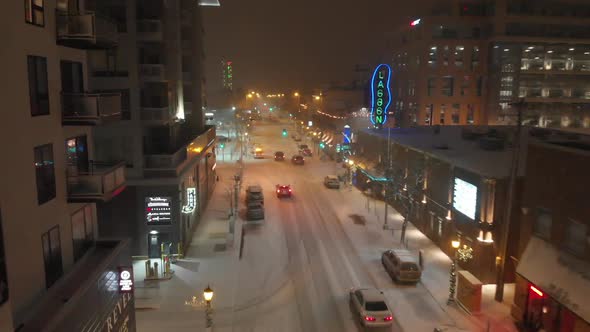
(86, 26)
(90, 107)
(99, 182)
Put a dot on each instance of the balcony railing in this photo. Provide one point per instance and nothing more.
(85, 31)
(90, 108)
(102, 182)
(149, 30)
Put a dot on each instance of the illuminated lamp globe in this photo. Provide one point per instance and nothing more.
(455, 244)
(208, 294)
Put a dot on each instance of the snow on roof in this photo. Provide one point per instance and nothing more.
(449, 145)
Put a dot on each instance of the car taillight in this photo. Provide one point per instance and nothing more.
(388, 318)
(370, 318)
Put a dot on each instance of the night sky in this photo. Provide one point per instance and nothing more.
(280, 44)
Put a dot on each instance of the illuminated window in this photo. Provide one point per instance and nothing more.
(470, 114)
(428, 115)
(474, 57)
(432, 56)
(443, 110)
(459, 54)
(35, 12)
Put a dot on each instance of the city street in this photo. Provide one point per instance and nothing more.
(300, 262)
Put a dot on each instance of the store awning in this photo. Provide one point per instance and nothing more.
(560, 275)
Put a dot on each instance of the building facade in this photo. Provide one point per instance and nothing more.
(553, 257)
(163, 139)
(468, 62)
(52, 255)
(450, 182)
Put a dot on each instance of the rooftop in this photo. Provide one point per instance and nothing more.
(460, 146)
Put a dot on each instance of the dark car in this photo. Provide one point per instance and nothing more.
(254, 211)
(279, 156)
(283, 190)
(298, 160)
(306, 152)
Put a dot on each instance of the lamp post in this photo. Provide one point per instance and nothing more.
(208, 296)
(453, 273)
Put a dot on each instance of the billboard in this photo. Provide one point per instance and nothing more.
(158, 210)
(465, 197)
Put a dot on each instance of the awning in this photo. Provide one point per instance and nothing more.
(561, 275)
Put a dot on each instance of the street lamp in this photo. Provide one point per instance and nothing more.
(208, 296)
(453, 272)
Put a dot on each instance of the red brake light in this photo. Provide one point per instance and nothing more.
(388, 318)
(370, 318)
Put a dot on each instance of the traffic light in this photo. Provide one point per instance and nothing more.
(322, 145)
(270, 109)
(285, 132)
(222, 145)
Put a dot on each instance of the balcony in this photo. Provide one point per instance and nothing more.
(152, 72)
(102, 182)
(169, 162)
(149, 30)
(158, 113)
(80, 109)
(85, 31)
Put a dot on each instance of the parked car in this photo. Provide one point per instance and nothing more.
(306, 152)
(283, 190)
(401, 265)
(254, 211)
(370, 308)
(298, 160)
(254, 194)
(332, 181)
(279, 156)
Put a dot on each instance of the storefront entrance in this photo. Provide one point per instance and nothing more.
(154, 248)
(544, 312)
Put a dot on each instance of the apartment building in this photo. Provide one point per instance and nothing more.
(53, 263)
(552, 284)
(167, 149)
(468, 62)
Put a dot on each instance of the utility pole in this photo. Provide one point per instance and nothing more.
(499, 296)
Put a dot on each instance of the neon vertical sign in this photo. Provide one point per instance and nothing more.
(380, 95)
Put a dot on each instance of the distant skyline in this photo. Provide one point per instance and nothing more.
(297, 44)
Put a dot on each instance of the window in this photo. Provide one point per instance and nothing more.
(542, 225)
(432, 56)
(34, 12)
(82, 231)
(440, 227)
(447, 86)
(431, 86)
(52, 256)
(575, 237)
(465, 86)
(474, 57)
(446, 55)
(411, 88)
(45, 173)
(459, 54)
(376, 306)
(479, 86)
(38, 87)
(470, 114)
(3, 274)
(428, 115)
(443, 110)
(456, 112)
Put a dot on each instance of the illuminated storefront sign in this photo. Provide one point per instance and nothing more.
(346, 135)
(158, 210)
(380, 95)
(125, 279)
(191, 200)
(465, 198)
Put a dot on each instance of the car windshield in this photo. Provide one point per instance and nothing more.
(376, 306)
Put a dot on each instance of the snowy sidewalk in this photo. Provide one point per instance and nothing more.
(423, 307)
